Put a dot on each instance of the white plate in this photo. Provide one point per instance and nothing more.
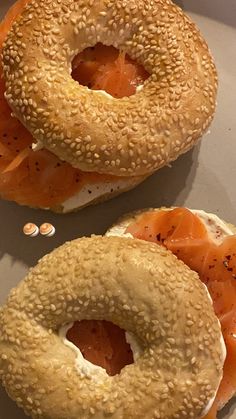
(204, 178)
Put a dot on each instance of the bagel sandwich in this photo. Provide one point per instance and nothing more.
(207, 245)
(111, 327)
(96, 97)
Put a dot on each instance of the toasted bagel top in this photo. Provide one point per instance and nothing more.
(90, 130)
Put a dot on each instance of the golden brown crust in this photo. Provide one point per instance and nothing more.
(140, 287)
(130, 136)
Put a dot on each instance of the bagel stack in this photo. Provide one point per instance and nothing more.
(121, 141)
(141, 288)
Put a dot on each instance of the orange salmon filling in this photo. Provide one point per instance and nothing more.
(39, 178)
(102, 343)
(105, 68)
(183, 233)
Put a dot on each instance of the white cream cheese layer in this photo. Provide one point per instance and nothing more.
(211, 401)
(88, 193)
(216, 228)
(108, 96)
(134, 345)
(224, 353)
(103, 93)
(86, 368)
(37, 146)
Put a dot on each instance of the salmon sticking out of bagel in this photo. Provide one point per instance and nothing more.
(111, 327)
(208, 246)
(95, 98)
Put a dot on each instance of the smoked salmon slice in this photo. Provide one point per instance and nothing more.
(105, 68)
(102, 343)
(183, 232)
(38, 178)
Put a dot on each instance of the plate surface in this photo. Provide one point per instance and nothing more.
(204, 178)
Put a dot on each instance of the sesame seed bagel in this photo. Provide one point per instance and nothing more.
(218, 230)
(90, 130)
(138, 286)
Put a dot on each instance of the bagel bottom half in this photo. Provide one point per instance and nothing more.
(142, 288)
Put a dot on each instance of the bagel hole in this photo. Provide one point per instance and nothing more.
(102, 343)
(106, 68)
